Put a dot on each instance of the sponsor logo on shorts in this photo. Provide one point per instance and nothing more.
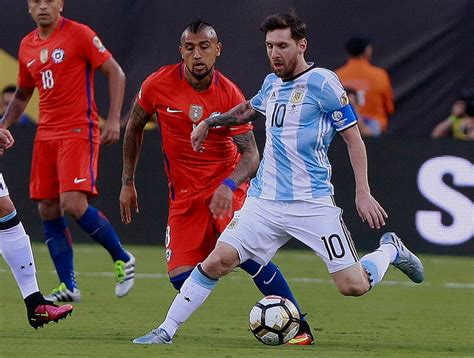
(79, 180)
(233, 224)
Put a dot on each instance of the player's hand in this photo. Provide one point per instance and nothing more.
(111, 132)
(128, 203)
(6, 140)
(370, 210)
(198, 135)
(221, 202)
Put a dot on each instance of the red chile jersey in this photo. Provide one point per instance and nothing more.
(179, 109)
(62, 68)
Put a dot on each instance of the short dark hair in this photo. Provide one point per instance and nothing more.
(284, 21)
(357, 44)
(9, 89)
(197, 26)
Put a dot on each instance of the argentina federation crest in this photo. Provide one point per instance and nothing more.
(297, 96)
(195, 112)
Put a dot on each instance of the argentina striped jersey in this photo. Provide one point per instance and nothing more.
(302, 116)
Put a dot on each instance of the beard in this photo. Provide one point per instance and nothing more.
(202, 74)
(288, 70)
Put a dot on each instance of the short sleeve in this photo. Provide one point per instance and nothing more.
(92, 47)
(144, 96)
(25, 80)
(259, 101)
(335, 103)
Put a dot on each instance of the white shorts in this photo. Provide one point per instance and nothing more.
(3, 187)
(262, 226)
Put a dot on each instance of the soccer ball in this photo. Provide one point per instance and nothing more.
(274, 320)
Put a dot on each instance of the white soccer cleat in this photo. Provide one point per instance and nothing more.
(63, 294)
(406, 261)
(124, 275)
(156, 336)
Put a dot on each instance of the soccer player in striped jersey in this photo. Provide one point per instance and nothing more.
(304, 107)
(59, 58)
(16, 250)
(181, 95)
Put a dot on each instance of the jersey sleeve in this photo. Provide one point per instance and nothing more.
(25, 80)
(335, 103)
(259, 101)
(145, 95)
(92, 47)
(244, 128)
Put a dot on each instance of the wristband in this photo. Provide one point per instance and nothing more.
(232, 185)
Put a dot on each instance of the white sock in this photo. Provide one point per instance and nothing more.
(16, 249)
(192, 295)
(376, 263)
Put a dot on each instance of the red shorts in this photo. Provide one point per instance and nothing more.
(63, 165)
(192, 231)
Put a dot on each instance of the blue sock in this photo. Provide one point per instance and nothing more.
(178, 280)
(99, 228)
(270, 281)
(59, 241)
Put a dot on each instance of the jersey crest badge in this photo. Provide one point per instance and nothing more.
(58, 55)
(97, 43)
(195, 112)
(297, 96)
(344, 100)
(44, 55)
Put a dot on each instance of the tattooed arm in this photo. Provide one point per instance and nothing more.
(132, 144)
(240, 114)
(17, 106)
(248, 163)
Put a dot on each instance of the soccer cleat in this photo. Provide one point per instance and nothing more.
(156, 336)
(124, 276)
(48, 312)
(406, 261)
(63, 294)
(304, 337)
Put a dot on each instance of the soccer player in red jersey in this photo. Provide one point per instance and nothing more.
(16, 250)
(204, 188)
(59, 58)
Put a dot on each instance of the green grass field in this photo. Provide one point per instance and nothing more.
(434, 319)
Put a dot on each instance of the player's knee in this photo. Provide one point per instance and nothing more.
(218, 266)
(353, 288)
(49, 209)
(72, 208)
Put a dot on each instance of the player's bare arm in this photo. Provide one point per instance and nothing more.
(221, 203)
(240, 114)
(16, 107)
(116, 79)
(132, 144)
(368, 208)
